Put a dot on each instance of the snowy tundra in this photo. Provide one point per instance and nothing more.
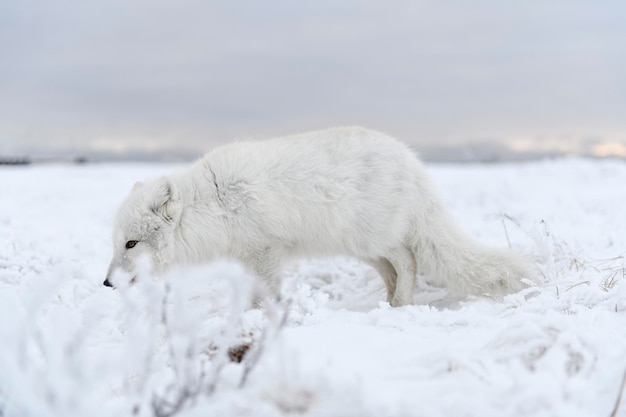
(72, 348)
(343, 191)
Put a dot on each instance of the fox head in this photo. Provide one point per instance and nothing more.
(144, 227)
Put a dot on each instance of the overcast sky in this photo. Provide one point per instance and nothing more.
(155, 75)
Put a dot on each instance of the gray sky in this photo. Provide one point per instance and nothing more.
(151, 75)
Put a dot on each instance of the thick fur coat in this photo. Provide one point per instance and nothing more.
(343, 191)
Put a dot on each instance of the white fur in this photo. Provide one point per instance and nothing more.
(342, 191)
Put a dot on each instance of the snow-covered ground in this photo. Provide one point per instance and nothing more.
(71, 347)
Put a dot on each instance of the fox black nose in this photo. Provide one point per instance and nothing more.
(107, 283)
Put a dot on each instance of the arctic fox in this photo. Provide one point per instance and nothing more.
(342, 191)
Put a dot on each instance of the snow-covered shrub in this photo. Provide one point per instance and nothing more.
(151, 348)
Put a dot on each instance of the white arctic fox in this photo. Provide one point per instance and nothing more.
(343, 191)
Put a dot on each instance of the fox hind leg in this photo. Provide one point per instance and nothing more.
(403, 261)
(387, 272)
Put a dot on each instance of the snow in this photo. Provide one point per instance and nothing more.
(332, 347)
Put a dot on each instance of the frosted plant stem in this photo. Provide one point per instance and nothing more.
(506, 232)
(619, 396)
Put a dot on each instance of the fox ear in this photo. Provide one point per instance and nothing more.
(163, 202)
(137, 185)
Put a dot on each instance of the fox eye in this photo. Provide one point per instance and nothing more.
(131, 244)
